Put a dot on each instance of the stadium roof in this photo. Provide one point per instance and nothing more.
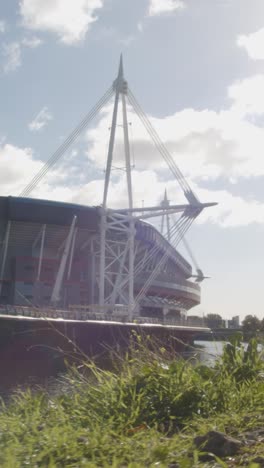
(58, 215)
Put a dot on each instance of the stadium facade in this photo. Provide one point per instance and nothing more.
(34, 235)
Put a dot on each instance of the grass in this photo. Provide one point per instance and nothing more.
(143, 414)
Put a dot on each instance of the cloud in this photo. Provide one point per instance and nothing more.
(12, 52)
(159, 7)
(17, 166)
(205, 144)
(32, 42)
(248, 96)
(41, 120)
(69, 20)
(253, 44)
(231, 211)
(2, 26)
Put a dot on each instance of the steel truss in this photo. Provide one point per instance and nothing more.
(118, 263)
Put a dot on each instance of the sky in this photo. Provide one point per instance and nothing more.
(197, 69)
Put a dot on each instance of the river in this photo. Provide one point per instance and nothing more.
(209, 350)
(203, 351)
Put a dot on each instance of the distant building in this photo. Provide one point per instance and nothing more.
(234, 322)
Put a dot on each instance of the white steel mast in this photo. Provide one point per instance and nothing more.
(120, 88)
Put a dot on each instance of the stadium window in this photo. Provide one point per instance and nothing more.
(28, 283)
(29, 268)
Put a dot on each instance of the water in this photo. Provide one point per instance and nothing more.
(204, 351)
(209, 351)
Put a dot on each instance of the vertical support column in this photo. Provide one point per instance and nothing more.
(168, 227)
(102, 258)
(92, 282)
(165, 204)
(55, 297)
(5, 247)
(41, 250)
(103, 225)
(72, 252)
(119, 275)
(131, 236)
(162, 223)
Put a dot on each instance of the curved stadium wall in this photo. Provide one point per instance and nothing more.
(25, 280)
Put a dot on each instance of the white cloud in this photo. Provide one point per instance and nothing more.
(231, 211)
(254, 44)
(159, 7)
(11, 53)
(2, 26)
(41, 120)
(205, 144)
(32, 42)
(17, 166)
(248, 95)
(69, 20)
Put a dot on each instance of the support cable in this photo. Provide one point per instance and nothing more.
(188, 248)
(66, 144)
(163, 259)
(189, 194)
(174, 231)
(156, 248)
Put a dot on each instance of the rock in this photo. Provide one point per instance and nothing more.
(40, 427)
(218, 444)
(82, 440)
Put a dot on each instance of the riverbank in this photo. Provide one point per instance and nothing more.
(150, 411)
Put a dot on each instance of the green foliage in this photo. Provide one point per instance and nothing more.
(251, 326)
(143, 414)
(243, 363)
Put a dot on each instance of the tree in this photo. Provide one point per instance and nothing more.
(214, 321)
(251, 325)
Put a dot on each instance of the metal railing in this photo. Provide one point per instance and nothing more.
(84, 314)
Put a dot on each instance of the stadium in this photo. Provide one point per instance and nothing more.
(34, 236)
(43, 242)
(83, 279)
